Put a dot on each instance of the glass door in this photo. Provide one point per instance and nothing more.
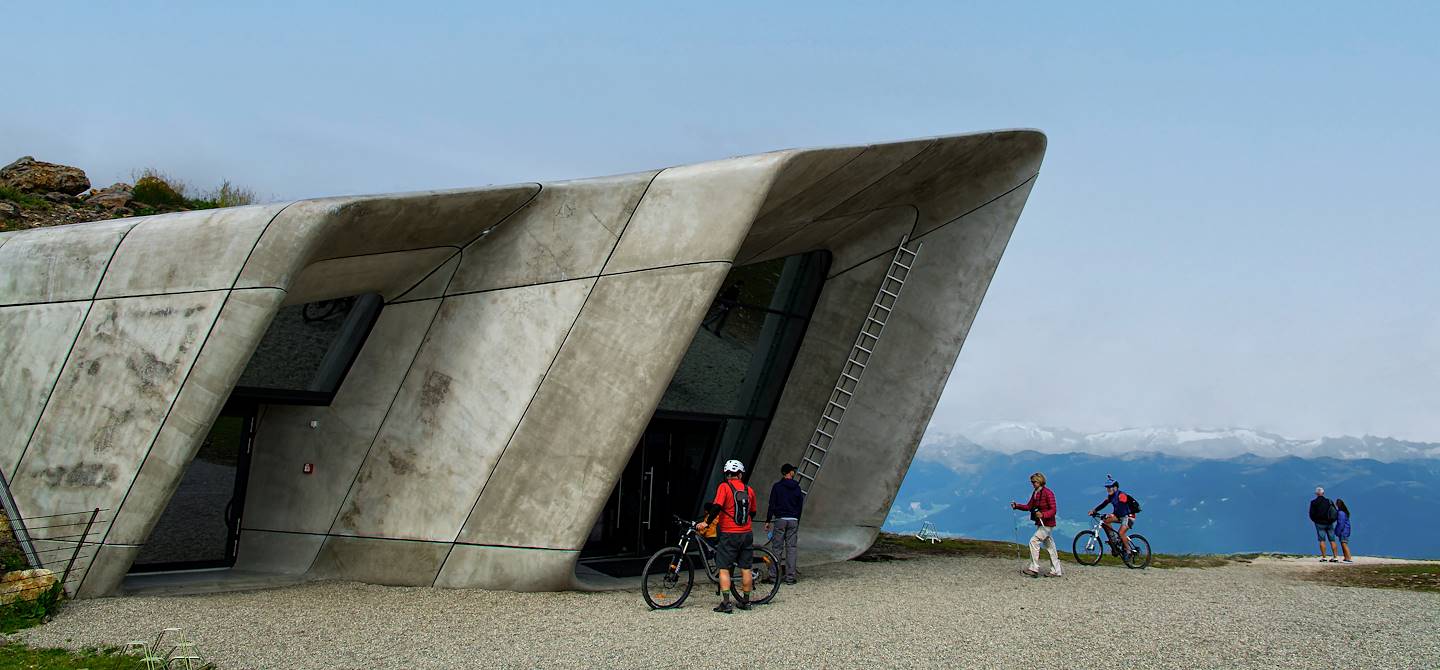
(200, 527)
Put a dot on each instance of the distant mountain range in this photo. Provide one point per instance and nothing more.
(1203, 491)
(1211, 443)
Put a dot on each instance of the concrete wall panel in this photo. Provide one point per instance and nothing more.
(242, 321)
(955, 176)
(695, 213)
(798, 210)
(433, 285)
(105, 571)
(186, 251)
(803, 170)
(852, 239)
(37, 339)
(476, 373)
(280, 496)
(586, 418)
(376, 561)
(60, 263)
(126, 368)
(316, 230)
(277, 553)
(387, 274)
(507, 568)
(566, 232)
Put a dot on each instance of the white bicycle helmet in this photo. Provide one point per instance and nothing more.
(733, 465)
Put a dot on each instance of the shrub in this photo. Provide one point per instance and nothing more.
(230, 195)
(155, 189)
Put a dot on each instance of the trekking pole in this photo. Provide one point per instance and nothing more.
(1015, 525)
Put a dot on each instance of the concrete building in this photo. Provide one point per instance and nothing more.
(477, 388)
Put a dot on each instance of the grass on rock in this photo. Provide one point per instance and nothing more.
(23, 199)
(1410, 577)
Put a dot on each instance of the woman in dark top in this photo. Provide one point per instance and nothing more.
(1342, 528)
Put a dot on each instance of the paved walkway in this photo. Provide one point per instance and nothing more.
(930, 612)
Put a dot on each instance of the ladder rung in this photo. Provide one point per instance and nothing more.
(847, 376)
(819, 448)
(805, 475)
(893, 295)
(832, 437)
(841, 389)
(898, 263)
(884, 307)
(857, 364)
(864, 350)
(871, 318)
(811, 462)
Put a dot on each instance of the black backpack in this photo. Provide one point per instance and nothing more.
(741, 508)
(1134, 503)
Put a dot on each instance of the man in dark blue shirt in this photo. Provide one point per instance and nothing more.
(1120, 512)
(782, 520)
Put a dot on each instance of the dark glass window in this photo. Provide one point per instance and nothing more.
(308, 348)
(740, 357)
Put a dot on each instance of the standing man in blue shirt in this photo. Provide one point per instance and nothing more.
(782, 520)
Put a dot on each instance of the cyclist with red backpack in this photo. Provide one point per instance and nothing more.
(731, 511)
(1124, 507)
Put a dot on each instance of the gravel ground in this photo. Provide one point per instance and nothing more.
(927, 612)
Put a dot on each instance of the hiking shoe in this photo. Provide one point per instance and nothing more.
(742, 604)
(790, 580)
(1054, 574)
(1347, 561)
(1030, 573)
(725, 608)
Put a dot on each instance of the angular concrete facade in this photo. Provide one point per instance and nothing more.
(527, 335)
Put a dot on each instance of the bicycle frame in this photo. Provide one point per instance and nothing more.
(707, 551)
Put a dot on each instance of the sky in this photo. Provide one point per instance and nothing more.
(1236, 223)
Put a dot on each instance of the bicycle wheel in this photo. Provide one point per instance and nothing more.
(669, 576)
(1139, 556)
(761, 565)
(1087, 548)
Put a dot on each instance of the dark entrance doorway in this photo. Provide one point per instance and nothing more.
(200, 528)
(665, 477)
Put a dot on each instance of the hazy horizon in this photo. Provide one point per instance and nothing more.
(1235, 224)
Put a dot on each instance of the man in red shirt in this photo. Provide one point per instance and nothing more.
(733, 505)
(1042, 510)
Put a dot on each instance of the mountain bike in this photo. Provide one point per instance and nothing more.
(670, 573)
(1089, 549)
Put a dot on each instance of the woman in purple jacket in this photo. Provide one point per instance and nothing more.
(1342, 527)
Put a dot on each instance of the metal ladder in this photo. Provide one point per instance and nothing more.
(880, 309)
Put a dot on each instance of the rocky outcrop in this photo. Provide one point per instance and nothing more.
(32, 176)
(115, 196)
(25, 584)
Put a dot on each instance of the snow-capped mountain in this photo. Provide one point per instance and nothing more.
(1206, 443)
